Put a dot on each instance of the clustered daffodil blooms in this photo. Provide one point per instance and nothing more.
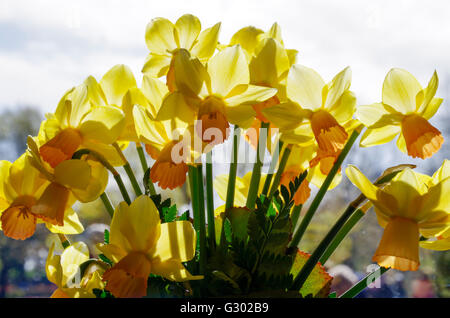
(140, 244)
(410, 205)
(193, 89)
(404, 111)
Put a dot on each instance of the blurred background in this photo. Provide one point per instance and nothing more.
(46, 47)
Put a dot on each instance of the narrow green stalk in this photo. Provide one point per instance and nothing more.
(295, 214)
(341, 235)
(128, 170)
(256, 174)
(283, 162)
(122, 188)
(64, 240)
(233, 169)
(210, 200)
(323, 189)
(273, 165)
(107, 204)
(318, 252)
(201, 216)
(144, 165)
(363, 283)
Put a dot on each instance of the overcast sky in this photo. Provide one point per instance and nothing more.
(46, 47)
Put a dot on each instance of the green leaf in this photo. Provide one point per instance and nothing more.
(184, 216)
(318, 283)
(170, 214)
(228, 230)
(105, 259)
(106, 237)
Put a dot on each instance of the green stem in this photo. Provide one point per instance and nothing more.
(107, 204)
(281, 167)
(273, 165)
(295, 215)
(122, 188)
(233, 169)
(64, 240)
(341, 235)
(256, 174)
(318, 252)
(210, 200)
(128, 170)
(363, 283)
(323, 189)
(144, 165)
(201, 216)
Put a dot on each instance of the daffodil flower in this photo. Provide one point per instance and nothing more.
(405, 208)
(164, 39)
(215, 95)
(171, 151)
(326, 107)
(140, 245)
(77, 123)
(404, 111)
(85, 180)
(21, 188)
(64, 271)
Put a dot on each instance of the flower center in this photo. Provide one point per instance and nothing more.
(330, 136)
(61, 147)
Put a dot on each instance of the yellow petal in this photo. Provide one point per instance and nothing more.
(206, 43)
(116, 82)
(147, 129)
(221, 185)
(159, 36)
(73, 173)
(370, 114)
(174, 106)
(432, 108)
(247, 38)
(71, 259)
(72, 224)
(139, 223)
(242, 115)
(103, 124)
(400, 89)
(428, 93)
(304, 86)
(286, 115)
(438, 245)
(156, 65)
(442, 173)
(269, 64)
(176, 242)
(173, 270)
(97, 183)
(189, 73)
(227, 70)
(338, 85)
(251, 95)
(378, 136)
(188, 28)
(436, 199)
(53, 267)
(344, 108)
(154, 90)
(361, 182)
(78, 105)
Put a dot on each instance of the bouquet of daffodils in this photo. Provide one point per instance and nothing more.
(195, 94)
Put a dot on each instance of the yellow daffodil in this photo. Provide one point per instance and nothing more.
(140, 245)
(64, 271)
(163, 145)
(78, 123)
(404, 111)
(405, 208)
(164, 39)
(326, 107)
(215, 95)
(85, 180)
(21, 188)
